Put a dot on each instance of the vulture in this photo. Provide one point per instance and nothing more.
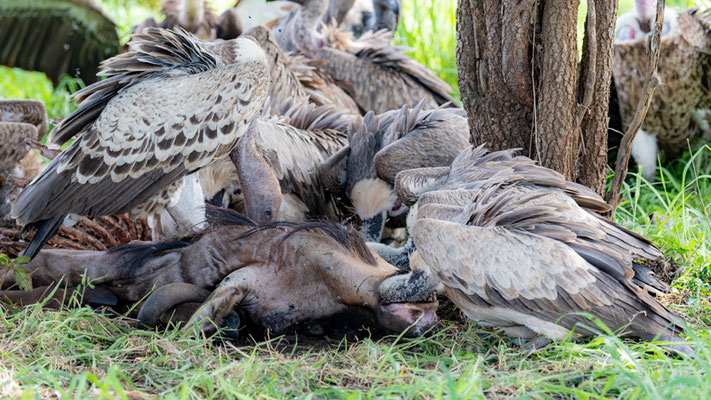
(292, 148)
(295, 77)
(517, 246)
(680, 107)
(171, 105)
(20, 120)
(383, 145)
(387, 14)
(196, 17)
(379, 76)
(56, 37)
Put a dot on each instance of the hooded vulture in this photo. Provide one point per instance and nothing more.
(517, 246)
(379, 76)
(56, 37)
(170, 106)
(680, 106)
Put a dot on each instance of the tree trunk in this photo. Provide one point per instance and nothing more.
(523, 87)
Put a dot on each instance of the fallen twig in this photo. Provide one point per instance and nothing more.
(623, 154)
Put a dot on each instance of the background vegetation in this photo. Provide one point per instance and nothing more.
(79, 353)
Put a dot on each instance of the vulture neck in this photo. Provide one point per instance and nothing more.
(307, 37)
(645, 11)
(192, 13)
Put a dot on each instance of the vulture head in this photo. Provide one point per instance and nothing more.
(306, 35)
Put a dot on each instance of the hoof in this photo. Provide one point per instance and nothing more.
(165, 298)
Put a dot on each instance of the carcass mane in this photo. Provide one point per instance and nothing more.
(344, 235)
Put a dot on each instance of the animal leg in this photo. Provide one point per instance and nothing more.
(181, 218)
(644, 151)
(538, 344)
(56, 298)
(165, 298)
(398, 257)
(219, 305)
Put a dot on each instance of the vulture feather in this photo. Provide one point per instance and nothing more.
(56, 37)
(513, 248)
(170, 106)
(680, 107)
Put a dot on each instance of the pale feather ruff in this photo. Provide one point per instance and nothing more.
(370, 197)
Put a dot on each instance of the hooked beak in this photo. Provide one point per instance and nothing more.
(407, 303)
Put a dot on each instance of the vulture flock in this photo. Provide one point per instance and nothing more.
(261, 172)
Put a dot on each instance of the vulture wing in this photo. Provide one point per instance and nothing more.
(27, 111)
(370, 64)
(169, 107)
(412, 136)
(56, 37)
(13, 149)
(528, 279)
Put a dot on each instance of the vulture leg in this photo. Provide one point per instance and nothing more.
(644, 151)
(215, 311)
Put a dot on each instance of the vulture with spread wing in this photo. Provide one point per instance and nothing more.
(517, 246)
(379, 76)
(680, 107)
(170, 106)
(56, 37)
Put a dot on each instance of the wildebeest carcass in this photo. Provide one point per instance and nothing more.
(284, 277)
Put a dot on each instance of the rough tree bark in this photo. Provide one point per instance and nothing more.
(522, 85)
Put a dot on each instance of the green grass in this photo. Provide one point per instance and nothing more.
(78, 353)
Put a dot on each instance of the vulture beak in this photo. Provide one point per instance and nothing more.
(407, 303)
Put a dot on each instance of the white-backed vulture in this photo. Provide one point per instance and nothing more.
(26, 111)
(680, 106)
(379, 76)
(170, 106)
(20, 120)
(198, 18)
(517, 246)
(294, 146)
(295, 77)
(56, 37)
(387, 14)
